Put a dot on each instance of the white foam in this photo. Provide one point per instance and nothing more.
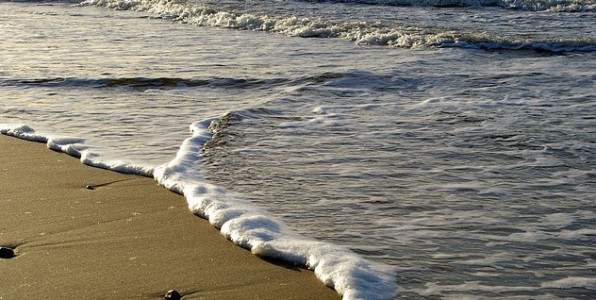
(23, 132)
(70, 146)
(95, 160)
(350, 275)
(248, 227)
(74, 147)
(361, 32)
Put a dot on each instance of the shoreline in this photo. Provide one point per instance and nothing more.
(127, 237)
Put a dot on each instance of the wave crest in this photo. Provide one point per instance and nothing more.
(361, 32)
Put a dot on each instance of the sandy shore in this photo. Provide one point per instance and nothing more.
(127, 239)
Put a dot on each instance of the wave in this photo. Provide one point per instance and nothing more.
(350, 275)
(247, 226)
(361, 32)
(528, 5)
(142, 82)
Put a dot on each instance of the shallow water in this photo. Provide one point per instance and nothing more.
(470, 172)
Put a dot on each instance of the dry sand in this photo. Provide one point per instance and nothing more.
(128, 239)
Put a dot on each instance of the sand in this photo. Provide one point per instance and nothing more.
(128, 238)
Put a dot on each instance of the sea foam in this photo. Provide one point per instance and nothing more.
(247, 226)
(361, 32)
(253, 229)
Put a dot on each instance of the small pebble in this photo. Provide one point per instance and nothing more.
(172, 295)
(89, 187)
(6, 252)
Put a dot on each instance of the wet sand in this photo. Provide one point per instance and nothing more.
(127, 238)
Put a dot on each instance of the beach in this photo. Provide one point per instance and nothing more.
(87, 233)
(399, 149)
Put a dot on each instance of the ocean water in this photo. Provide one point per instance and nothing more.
(439, 149)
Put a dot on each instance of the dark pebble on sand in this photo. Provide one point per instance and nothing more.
(89, 187)
(172, 295)
(6, 252)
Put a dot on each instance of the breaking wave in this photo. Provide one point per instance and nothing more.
(361, 32)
